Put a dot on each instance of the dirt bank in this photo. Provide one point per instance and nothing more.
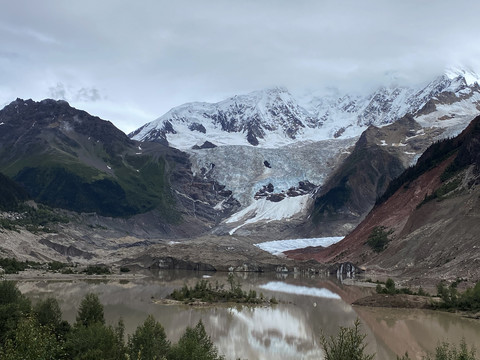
(396, 301)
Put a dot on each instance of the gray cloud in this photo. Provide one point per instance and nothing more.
(57, 92)
(60, 92)
(149, 56)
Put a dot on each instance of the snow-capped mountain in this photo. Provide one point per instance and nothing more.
(240, 120)
(274, 117)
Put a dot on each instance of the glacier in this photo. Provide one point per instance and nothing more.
(277, 247)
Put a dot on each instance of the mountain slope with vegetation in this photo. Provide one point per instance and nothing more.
(66, 158)
(11, 194)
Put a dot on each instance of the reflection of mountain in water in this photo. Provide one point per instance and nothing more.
(269, 333)
(289, 330)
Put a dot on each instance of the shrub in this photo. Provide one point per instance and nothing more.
(195, 344)
(149, 341)
(390, 286)
(90, 311)
(349, 344)
(56, 266)
(97, 270)
(378, 239)
(447, 351)
(32, 341)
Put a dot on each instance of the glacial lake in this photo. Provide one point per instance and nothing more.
(289, 330)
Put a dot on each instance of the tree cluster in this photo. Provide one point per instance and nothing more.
(38, 332)
(391, 289)
(378, 238)
(469, 300)
(205, 291)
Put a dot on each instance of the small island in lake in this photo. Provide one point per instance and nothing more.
(205, 293)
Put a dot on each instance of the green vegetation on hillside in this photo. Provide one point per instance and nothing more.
(11, 194)
(33, 219)
(465, 148)
(391, 289)
(432, 157)
(357, 182)
(442, 191)
(97, 270)
(60, 187)
(74, 186)
(13, 266)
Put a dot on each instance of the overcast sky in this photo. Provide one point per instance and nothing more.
(131, 61)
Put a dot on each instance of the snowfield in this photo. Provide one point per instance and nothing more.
(279, 246)
(279, 286)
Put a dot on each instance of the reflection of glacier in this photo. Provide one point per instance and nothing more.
(266, 333)
(299, 290)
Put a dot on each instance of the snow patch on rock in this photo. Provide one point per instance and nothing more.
(267, 211)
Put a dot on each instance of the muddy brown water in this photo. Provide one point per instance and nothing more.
(289, 330)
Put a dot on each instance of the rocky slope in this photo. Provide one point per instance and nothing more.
(380, 155)
(430, 213)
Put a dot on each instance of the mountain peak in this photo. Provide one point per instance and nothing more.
(471, 78)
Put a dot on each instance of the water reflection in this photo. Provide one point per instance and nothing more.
(299, 290)
(417, 331)
(267, 333)
(289, 330)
